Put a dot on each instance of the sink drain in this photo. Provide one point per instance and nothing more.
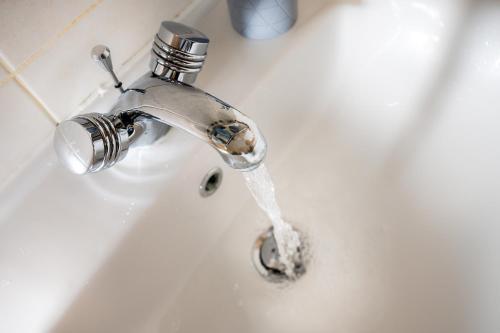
(211, 182)
(265, 257)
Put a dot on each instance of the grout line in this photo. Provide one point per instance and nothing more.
(128, 63)
(186, 10)
(195, 10)
(49, 43)
(13, 73)
(38, 102)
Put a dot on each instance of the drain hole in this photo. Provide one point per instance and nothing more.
(211, 182)
(266, 259)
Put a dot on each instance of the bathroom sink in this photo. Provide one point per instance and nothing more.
(381, 119)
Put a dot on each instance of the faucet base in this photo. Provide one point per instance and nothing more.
(143, 131)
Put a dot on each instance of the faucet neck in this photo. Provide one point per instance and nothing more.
(155, 100)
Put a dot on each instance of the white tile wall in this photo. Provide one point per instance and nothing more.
(26, 26)
(23, 126)
(46, 74)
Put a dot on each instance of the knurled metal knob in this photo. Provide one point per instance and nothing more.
(89, 143)
(178, 52)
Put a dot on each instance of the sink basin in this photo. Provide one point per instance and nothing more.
(382, 124)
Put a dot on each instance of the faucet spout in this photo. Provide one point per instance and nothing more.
(235, 136)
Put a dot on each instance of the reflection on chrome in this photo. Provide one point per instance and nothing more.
(155, 102)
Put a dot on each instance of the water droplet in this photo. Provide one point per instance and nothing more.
(175, 325)
(5, 283)
(23, 251)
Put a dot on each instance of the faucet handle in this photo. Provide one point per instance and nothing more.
(90, 142)
(178, 52)
(102, 56)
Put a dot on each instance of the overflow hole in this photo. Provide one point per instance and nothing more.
(211, 182)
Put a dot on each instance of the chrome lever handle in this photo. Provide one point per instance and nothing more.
(102, 56)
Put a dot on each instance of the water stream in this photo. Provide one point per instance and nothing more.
(261, 186)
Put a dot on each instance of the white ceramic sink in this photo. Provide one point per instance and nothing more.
(382, 122)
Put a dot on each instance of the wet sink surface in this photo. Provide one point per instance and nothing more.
(382, 123)
(375, 159)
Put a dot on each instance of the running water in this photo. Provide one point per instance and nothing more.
(261, 186)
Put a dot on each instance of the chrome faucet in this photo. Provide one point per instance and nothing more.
(156, 101)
